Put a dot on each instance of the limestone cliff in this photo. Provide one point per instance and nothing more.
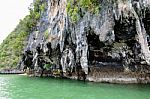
(115, 39)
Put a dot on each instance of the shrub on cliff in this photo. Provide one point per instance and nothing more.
(77, 8)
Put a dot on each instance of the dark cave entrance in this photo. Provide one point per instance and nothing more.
(98, 51)
(125, 29)
(94, 46)
(125, 35)
(98, 57)
(146, 21)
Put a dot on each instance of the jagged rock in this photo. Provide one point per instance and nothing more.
(117, 36)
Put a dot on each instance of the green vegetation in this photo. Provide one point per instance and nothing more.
(47, 66)
(13, 45)
(46, 33)
(77, 8)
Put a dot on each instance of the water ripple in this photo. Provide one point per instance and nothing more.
(21, 87)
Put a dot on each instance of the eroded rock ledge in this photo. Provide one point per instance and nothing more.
(115, 42)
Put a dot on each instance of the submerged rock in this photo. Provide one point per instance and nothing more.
(11, 71)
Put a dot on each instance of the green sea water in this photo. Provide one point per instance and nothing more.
(22, 87)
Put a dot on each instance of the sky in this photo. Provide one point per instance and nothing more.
(11, 11)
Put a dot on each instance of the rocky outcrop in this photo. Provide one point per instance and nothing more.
(118, 38)
(11, 71)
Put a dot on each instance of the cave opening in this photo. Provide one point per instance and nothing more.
(95, 53)
(146, 21)
(125, 35)
(125, 29)
(99, 57)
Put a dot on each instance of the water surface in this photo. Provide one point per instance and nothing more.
(22, 87)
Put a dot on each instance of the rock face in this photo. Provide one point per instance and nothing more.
(116, 38)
